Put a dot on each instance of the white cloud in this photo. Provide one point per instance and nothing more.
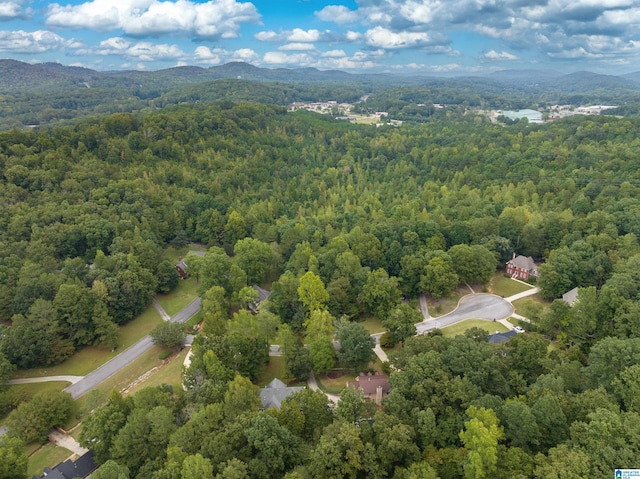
(499, 56)
(383, 38)
(337, 14)
(34, 42)
(212, 19)
(334, 54)
(269, 36)
(279, 58)
(353, 36)
(300, 35)
(149, 52)
(245, 55)
(207, 56)
(449, 67)
(298, 46)
(9, 10)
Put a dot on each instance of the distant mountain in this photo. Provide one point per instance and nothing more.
(583, 82)
(528, 76)
(635, 76)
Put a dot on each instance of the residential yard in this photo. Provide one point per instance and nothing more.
(334, 381)
(46, 456)
(505, 287)
(91, 357)
(173, 254)
(373, 325)
(182, 295)
(30, 390)
(275, 369)
(531, 306)
(439, 307)
(125, 377)
(169, 373)
(459, 328)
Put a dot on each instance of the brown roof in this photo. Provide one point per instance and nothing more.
(369, 383)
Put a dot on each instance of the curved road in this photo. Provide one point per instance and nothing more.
(129, 355)
(479, 306)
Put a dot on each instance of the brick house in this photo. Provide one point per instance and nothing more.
(374, 386)
(522, 267)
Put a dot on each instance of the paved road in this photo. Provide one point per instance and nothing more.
(47, 379)
(480, 306)
(129, 355)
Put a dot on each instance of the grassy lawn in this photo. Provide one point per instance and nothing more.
(373, 325)
(531, 306)
(459, 328)
(173, 254)
(169, 373)
(334, 381)
(275, 369)
(91, 357)
(182, 295)
(46, 456)
(127, 375)
(30, 390)
(505, 287)
(438, 307)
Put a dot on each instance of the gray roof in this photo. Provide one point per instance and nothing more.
(275, 392)
(525, 262)
(262, 293)
(501, 338)
(570, 296)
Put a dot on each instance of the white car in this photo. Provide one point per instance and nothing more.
(518, 329)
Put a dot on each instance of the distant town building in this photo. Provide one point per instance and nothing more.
(532, 116)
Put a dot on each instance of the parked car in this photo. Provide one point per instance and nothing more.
(518, 329)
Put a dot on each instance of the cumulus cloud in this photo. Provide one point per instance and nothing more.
(207, 56)
(10, 10)
(298, 35)
(338, 14)
(297, 46)
(559, 28)
(39, 41)
(499, 56)
(212, 19)
(138, 51)
(334, 54)
(381, 37)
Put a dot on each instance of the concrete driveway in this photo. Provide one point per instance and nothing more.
(477, 306)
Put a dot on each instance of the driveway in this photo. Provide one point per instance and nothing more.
(478, 306)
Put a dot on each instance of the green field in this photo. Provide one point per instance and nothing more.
(46, 456)
(169, 373)
(182, 295)
(506, 287)
(373, 325)
(459, 328)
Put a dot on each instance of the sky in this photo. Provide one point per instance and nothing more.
(455, 37)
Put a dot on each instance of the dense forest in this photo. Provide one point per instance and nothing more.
(340, 221)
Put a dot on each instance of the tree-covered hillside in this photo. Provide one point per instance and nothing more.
(339, 221)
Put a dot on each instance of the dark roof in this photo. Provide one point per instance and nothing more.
(182, 265)
(369, 383)
(68, 469)
(275, 392)
(262, 293)
(501, 338)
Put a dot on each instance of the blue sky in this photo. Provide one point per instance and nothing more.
(406, 36)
